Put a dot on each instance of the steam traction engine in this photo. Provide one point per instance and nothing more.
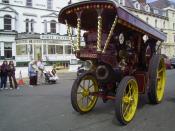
(121, 50)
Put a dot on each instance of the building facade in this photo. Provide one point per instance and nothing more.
(159, 14)
(30, 30)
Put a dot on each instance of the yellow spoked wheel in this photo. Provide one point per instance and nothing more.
(126, 100)
(82, 95)
(157, 80)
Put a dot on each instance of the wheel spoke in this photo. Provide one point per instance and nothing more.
(82, 87)
(90, 85)
(159, 71)
(126, 110)
(89, 98)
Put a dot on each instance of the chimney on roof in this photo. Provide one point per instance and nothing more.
(142, 1)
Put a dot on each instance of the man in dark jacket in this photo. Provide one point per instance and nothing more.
(4, 74)
(11, 74)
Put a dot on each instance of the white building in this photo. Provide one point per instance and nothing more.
(29, 29)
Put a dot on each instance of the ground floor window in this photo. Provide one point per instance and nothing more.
(21, 49)
(51, 49)
(59, 49)
(68, 49)
(7, 50)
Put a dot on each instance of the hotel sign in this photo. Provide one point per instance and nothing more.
(57, 37)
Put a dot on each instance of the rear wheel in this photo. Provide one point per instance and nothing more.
(126, 100)
(157, 79)
(82, 95)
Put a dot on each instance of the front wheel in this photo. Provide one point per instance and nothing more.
(126, 100)
(157, 79)
(82, 94)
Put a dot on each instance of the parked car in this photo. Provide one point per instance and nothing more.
(172, 62)
(167, 62)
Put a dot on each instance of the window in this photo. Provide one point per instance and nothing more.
(121, 2)
(21, 49)
(49, 4)
(67, 49)
(5, 1)
(32, 22)
(173, 26)
(8, 50)
(45, 26)
(29, 3)
(27, 25)
(156, 23)
(53, 26)
(147, 20)
(7, 22)
(156, 11)
(164, 24)
(137, 6)
(59, 49)
(51, 49)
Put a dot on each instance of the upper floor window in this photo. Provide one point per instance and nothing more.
(45, 26)
(31, 25)
(156, 23)
(5, 1)
(53, 26)
(137, 6)
(28, 2)
(147, 8)
(49, 4)
(147, 20)
(156, 11)
(7, 22)
(27, 25)
(164, 24)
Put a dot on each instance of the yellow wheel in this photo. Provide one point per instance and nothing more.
(157, 79)
(82, 95)
(126, 100)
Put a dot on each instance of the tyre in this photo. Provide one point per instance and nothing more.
(126, 100)
(157, 79)
(83, 99)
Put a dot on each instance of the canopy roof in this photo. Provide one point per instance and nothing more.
(88, 12)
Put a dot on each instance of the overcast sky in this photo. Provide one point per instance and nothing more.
(155, 0)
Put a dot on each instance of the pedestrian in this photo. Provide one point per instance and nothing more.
(4, 74)
(32, 71)
(41, 68)
(11, 74)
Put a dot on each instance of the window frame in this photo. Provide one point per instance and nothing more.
(50, 4)
(6, 51)
(29, 3)
(8, 25)
(53, 29)
(6, 1)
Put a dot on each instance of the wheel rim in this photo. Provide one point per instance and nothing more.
(130, 100)
(85, 100)
(161, 78)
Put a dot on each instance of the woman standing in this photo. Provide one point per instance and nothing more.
(33, 72)
(11, 74)
(4, 74)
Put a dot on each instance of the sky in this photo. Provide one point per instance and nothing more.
(155, 0)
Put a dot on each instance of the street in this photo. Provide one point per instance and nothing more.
(48, 108)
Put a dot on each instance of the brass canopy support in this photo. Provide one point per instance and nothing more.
(110, 35)
(99, 35)
(78, 30)
(70, 35)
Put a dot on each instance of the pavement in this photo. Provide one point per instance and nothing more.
(48, 108)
